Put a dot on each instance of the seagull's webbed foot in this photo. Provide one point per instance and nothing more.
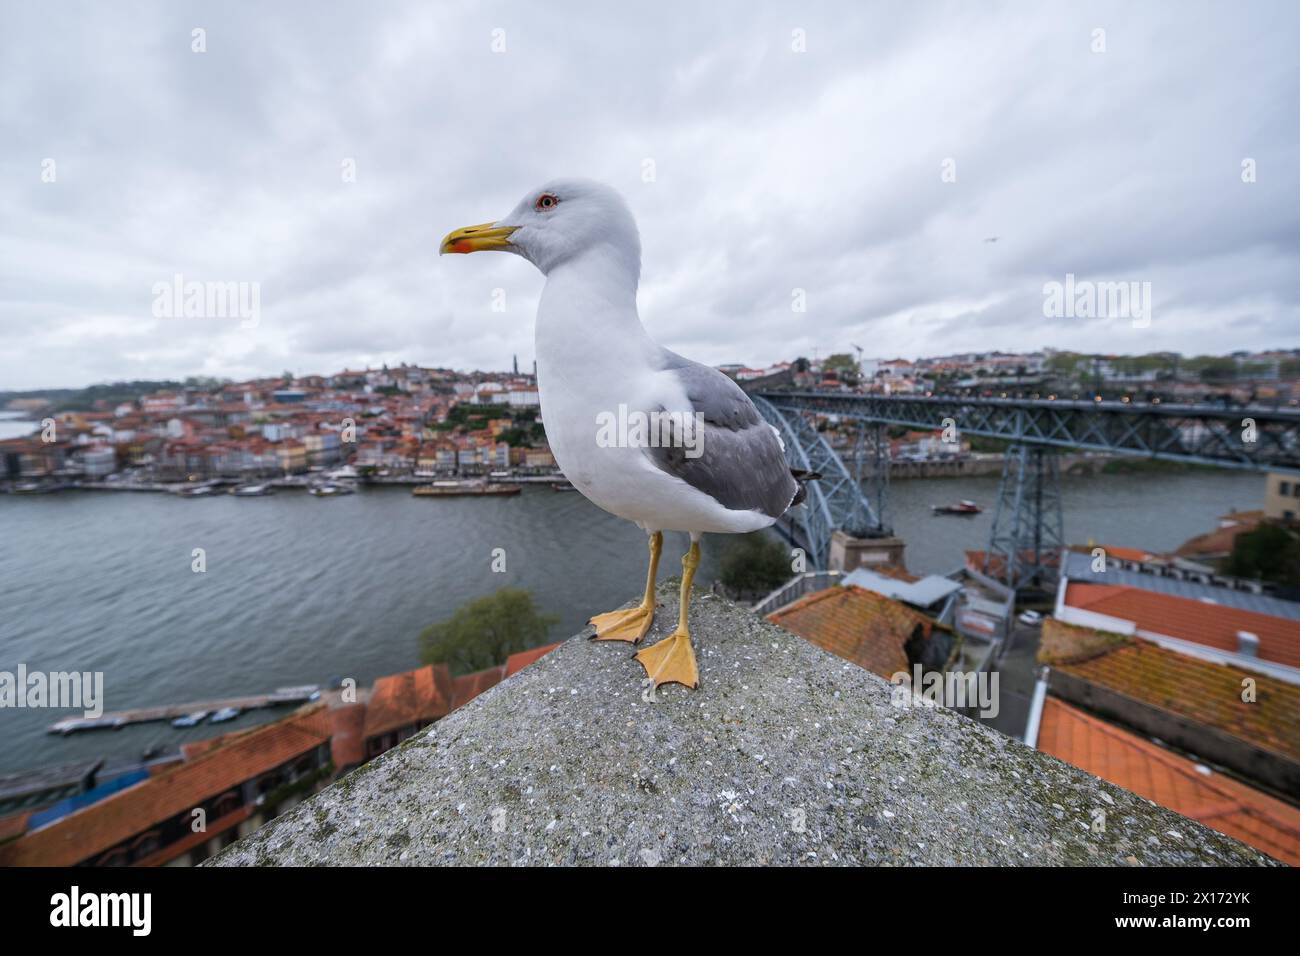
(632, 624)
(672, 660)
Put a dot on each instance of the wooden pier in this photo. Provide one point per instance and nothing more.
(112, 720)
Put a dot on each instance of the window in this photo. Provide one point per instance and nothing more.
(116, 857)
(228, 802)
(1284, 488)
(146, 845)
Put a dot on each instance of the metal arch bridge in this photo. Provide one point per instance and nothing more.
(1027, 530)
(1250, 437)
(834, 502)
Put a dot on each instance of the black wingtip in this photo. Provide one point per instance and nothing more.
(801, 478)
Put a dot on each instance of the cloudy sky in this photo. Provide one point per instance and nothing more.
(803, 146)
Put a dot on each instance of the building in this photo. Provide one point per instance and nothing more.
(187, 811)
(401, 704)
(97, 461)
(26, 458)
(1209, 739)
(878, 634)
(1214, 546)
(1282, 497)
(33, 790)
(291, 455)
(322, 448)
(232, 783)
(539, 458)
(1171, 780)
(1199, 626)
(523, 398)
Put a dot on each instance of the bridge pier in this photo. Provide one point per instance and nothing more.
(1028, 536)
(875, 484)
(849, 552)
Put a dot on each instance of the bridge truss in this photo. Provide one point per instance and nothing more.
(1027, 534)
(834, 502)
(1250, 437)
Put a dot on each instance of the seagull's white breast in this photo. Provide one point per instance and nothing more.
(593, 356)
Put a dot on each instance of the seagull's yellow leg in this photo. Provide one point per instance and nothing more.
(632, 624)
(672, 660)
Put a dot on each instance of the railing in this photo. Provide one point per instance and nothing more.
(797, 587)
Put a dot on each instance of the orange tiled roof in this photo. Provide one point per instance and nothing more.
(13, 825)
(413, 697)
(895, 572)
(1124, 554)
(468, 686)
(996, 563)
(1128, 761)
(857, 625)
(348, 742)
(1195, 689)
(517, 662)
(105, 824)
(1214, 625)
(1220, 541)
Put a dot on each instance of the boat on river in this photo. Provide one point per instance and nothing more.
(456, 489)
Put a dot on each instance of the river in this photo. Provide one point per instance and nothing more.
(300, 589)
(15, 425)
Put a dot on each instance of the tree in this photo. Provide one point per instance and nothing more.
(484, 632)
(1270, 552)
(754, 563)
(844, 364)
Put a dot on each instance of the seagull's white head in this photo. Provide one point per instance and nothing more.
(561, 222)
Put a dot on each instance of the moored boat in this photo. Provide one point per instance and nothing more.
(251, 491)
(197, 491)
(330, 489)
(963, 507)
(456, 489)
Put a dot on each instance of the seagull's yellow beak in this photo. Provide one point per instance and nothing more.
(477, 238)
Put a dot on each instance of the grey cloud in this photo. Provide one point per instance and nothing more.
(775, 170)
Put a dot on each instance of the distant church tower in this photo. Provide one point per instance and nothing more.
(516, 364)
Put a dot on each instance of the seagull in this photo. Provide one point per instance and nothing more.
(643, 433)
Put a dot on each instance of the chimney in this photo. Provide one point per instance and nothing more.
(1247, 644)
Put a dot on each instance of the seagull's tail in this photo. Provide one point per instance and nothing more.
(801, 478)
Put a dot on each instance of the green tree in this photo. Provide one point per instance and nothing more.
(484, 632)
(1267, 553)
(844, 364)
(1212, 369)
(754, 562)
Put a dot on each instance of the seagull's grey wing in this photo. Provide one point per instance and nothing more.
(742, 465)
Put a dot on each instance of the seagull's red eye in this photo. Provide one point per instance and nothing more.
(547, 201)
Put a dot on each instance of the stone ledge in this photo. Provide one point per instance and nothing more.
(785, 755)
